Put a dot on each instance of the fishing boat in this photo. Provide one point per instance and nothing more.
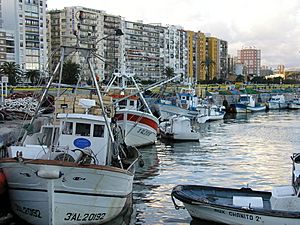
(243, 206)
(294, 103)
(247, 104)
(138, 124)
(277, 102)
(209, 112)
(178, 128)
(77, 170)
(133, 115)
(185, 104)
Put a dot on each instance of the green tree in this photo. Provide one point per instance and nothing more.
(71, 72)
(12, 70)
(169, 72)
(208, 63)
(240, 78)
(33, 76)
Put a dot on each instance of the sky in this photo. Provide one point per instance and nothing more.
(270, 25)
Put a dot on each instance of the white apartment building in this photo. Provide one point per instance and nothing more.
(142, 50)
(26, 19)
(7, 46)
(175, 51)
(85, 26)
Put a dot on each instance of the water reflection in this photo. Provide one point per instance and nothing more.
(244, 149)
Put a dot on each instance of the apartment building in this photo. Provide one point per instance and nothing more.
(80, 26)
(112, 46)
(142, 50)
(212, 59)
(223, 57)
(26, 20)
(174, 49)
(7, 46)
(196, 44)
(251, 58)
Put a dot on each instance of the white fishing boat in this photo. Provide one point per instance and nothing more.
(77, 170)
(133, 115)
(185, 104)
(208, 112)
(294, 103)
(247, 104)
(277, 102)
(243, 206)
(178, 128)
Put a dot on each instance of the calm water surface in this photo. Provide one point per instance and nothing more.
(243, 150)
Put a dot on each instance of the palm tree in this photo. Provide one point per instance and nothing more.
(207, 63)
(12, 70)
(169, 72)
(71, 72)
(33, 76)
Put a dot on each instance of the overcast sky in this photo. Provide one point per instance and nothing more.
(270, 25)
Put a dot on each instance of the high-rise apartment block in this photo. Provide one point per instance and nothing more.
(251, 58)
(7, 46)
(73, 25)
(26, 21)
(144, 49)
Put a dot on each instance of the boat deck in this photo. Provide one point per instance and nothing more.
(225, 196)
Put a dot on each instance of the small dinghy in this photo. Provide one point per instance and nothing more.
(243, 206)
(178, 128)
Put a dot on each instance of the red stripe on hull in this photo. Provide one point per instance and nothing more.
(138, 119)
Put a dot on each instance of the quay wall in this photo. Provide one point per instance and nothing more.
(218, 99)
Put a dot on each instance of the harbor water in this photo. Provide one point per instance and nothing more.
(242, 150)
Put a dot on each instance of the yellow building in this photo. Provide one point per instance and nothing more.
(190, 45)
(212, 56)
(196, 55)
(201, 52)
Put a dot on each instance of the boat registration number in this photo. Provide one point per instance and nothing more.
(28, 211)
(144, 132)
(84, 217)
(240, 215)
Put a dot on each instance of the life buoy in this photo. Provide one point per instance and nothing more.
(2, 182)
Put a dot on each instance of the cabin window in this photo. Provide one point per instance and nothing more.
(67, 128)
(123, 102)
(131, 103)
(83, 129)
(98, 131)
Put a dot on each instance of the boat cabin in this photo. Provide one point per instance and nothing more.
(84, 132)
(248, 100)
(277, 98)
(127, 103)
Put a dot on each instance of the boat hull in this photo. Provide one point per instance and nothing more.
(241, 108)
(294, 105)
(233, 206)
(233, 217)
(166, 111)
(276, 105)
(139, 128)
(45, 192)
(192, 136)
